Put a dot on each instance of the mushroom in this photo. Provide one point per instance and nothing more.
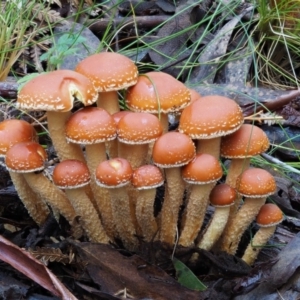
(135, 132)
(28, 158)
(202, 173)
(72, 176)
(115, 174)
(146, 179)
(267, 219)
(55, 92)
(109, 73)
(255, 185)
(208, 119)
(158, 93)
(92, 127)
(222, 198)
(171, 151)
(12, 132)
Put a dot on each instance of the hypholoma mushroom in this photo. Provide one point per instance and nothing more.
(158, 93)
(209, 118)
(28, 158)
(55, 92)
(115, 174)
(109, 73)
(146, 179)
(267, 219)
(12, 132)
(255, 185)
(202, 174)
(72, 176)
(171, 151)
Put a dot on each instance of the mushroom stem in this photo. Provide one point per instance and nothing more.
(209, 146)
(195, 212)
(135, 154)
(109, 101)
(258, 241)
(172, 201)
(36, 208)
(240, 223)
(164, 120)
(56, 127)
(88, 215)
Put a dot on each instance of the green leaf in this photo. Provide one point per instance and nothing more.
(186, 277)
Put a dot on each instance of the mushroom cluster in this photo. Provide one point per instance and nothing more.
(112, 162)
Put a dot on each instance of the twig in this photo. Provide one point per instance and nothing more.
(280, 163)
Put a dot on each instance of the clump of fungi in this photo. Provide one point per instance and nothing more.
(112, 163)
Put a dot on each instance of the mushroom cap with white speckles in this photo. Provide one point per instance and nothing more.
(113, 173)
(147, 177)
(56, 91)
(203, 169)
(157, 92)
(139, 128)
(90, 125)
(71, 174)
(222, 195)
(255, 183)
(14, 131)
(269, 215)
(109, 71)
(210, 117)
(173, 149)
(25, 157)
(246, 142)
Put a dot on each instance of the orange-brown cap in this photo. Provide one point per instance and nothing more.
(157, 92)
(139, 128)
(173, 149)
(120, 114)
(90, 125)
(25, 157)
(109, 71)
(256, 183)
(222, 195)
(114, 173)
(56, 91)
(15, 131)
(211, 117)
(269, 215)
(194, 95)
(147, 177)
(204, 168)
(71, 174)
(246, 142)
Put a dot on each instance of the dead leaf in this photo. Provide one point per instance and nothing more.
(115, 273)
(32, 268)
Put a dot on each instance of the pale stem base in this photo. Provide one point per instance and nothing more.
(109, 101)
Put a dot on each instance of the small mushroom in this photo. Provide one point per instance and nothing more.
(146, 179)
(209, 118)
(171, 151)
(267, 219)
(109, 73)
(255, 185)
(72, 176)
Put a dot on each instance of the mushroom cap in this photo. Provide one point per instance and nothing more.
(139, 128)
(210, 117)
(25, 157)
(109, 71)
(269, 215)
(120, 114)
(14, 131)
(56, 91)
(256, 183)
(147, 177)
(71, 174)
(90, 125)
(222, 195)
(246, 142)
(114, 173)
(203, 169)
(173, 149)
(194, 95)
(157, 92)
